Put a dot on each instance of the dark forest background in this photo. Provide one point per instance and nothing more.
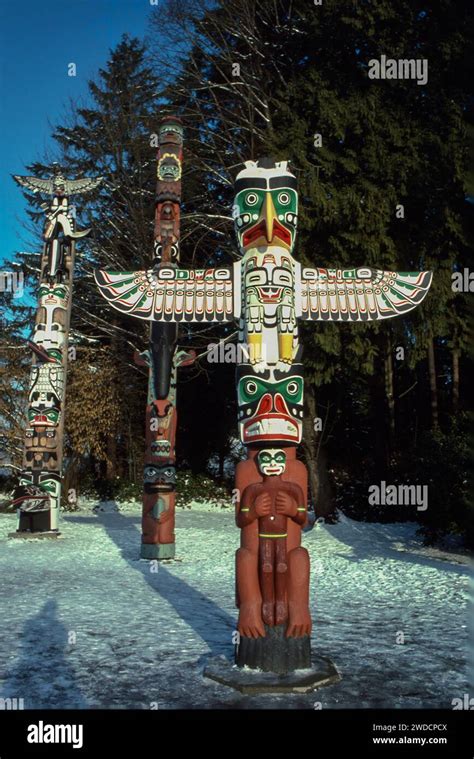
(251, 79)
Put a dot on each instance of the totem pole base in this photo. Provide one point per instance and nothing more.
(35, 521)
(27, 535)
(275, 652)
(320, 673)
(157, 551)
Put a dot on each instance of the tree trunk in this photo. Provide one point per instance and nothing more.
(456, 353)
(111, 443)
(389, 394)
(380, 450)
(221, 463)
(70, 482)
(433, 386)
(380, 385)
(111, 469)
(316, 462)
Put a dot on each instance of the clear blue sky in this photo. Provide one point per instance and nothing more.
(38, 38)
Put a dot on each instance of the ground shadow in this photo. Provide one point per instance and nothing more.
(183, 597)
(41, 674)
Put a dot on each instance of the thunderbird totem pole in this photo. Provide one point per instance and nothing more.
(163, 358)
(38, 493)
(267, 291)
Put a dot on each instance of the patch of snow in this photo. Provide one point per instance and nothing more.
(84, 623)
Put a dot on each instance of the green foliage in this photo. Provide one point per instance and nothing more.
(190, 487)
(201, 487)
(442, 462)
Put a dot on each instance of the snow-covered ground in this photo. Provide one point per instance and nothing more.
(85, 624)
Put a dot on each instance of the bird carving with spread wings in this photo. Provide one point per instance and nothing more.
(59, 212)
(267, 291)
(58, 185)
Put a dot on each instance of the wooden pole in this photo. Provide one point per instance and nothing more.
(38, 493)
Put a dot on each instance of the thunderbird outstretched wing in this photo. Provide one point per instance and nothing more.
(359, 294)
(48, 186)
(35, 184)
(170, 294)
(82, 186)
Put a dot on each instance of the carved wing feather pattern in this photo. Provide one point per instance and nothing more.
(35, 184)
(173, 295)
(49, 186)
(79, 186)
(360, 294)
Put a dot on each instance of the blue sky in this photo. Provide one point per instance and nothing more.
(38, 39)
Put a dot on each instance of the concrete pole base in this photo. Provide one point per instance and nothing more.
(322, 672)
(27, 535)
(152, 551)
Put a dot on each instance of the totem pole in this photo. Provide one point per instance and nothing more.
(162, 356)
(267, 291)
(38, 493)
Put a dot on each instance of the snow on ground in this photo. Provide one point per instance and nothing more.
(85, 624)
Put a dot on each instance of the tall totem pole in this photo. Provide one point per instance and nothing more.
(162, 356)
(268, 291)
(38, 493)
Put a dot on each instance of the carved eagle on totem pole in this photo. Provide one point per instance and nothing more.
(57, 184)
(267, 291)
(59, 212)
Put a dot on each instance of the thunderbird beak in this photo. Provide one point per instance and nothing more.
(270, 216)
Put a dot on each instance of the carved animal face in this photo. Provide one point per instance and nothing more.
(270, 405)
(265, 208)
(159, 478)
(36, 490)
(169, 168)
(271, 461)
(50, 482)
(43, 417)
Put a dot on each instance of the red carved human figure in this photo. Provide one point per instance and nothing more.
(272, 568)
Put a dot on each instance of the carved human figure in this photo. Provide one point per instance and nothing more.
(273, 576)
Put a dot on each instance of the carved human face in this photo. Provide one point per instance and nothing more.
(269, 279)
(271, 462)
(53, 296)
(270, 405)
(265, 208)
